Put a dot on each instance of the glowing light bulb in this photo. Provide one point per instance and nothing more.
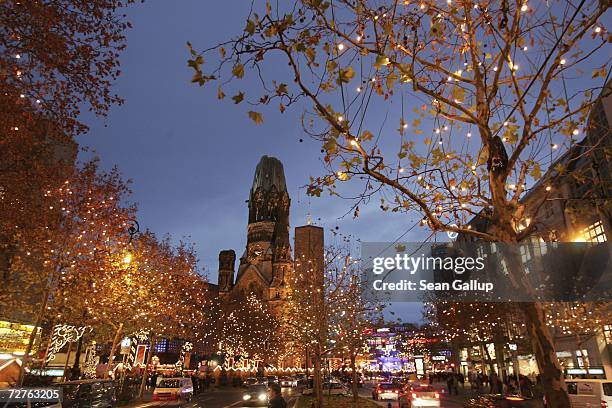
(562, 62)
(18, 56)
(358, 89)
(575, 132)
(340, 46)
(548, 188)
(598, 30)
(524, 7)
(340, 118)
(405, 126)
(469, 134)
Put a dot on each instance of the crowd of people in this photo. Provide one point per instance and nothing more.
(480, 383)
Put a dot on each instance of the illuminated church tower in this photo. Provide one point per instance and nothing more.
(266, 263)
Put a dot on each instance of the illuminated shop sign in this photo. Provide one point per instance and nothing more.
(14, 337)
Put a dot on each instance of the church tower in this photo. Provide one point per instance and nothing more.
(267, 258)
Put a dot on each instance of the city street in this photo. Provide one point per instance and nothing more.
(224, 397)
(454, 401)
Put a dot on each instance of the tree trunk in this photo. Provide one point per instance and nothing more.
(113, 349)
(37, 326)
(77, 354)
(354, 375)
(318, 392)
(551, 373)
(146, 368)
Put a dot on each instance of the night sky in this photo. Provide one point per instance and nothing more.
(191, 157)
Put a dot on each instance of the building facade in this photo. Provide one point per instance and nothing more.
(571, 202)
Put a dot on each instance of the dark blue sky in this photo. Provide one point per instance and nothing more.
(191, 158)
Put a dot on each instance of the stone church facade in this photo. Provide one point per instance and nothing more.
(267, 263)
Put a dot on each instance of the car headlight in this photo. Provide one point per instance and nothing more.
(262, 397)
(246, 397)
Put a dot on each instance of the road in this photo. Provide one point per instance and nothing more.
(219, 398)
(446, 401)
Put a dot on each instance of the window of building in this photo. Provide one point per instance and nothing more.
(161, 345)
(593, 233)
(582, 356)
(607, 330)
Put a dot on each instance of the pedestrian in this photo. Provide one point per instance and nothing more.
(449, 384)
(276, 399)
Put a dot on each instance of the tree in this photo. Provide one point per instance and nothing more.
(249, 329)
(58, 57)
(321, 308)
(358, 313)
(494, 98)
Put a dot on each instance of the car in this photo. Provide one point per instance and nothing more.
(288, 382)
(256, 395)
(334, 388)
(271, 379)
(250, 381)
(589, 393)
(386, 391)
(96, 393)
(173, 389)
(502, 401)
(419, 395)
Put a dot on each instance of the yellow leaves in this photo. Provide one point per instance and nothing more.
(330, 146)
(366, 135)
(536, 171)
(250, 27)
(600, 73)
(391, 78)
(381, 61)
(458, 93)
(256, 117)
(311, 54)
(220, 94)
(345, 75)
(238, 70)
(239, 97)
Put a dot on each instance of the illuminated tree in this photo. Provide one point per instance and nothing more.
(85, 218)
(249, 329)
(56, 58)
(358, 313)
(326, 311)
(496, 92)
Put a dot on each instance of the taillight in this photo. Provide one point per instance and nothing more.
(437, 395)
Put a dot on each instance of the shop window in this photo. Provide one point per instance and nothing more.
(161, 345)
(592, 233)
(582, 357)
(607, 330)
